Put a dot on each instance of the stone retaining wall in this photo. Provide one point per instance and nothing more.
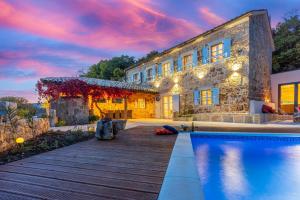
(7, 136)
(234, 118)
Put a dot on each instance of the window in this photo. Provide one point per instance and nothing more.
(135, 77)
(167, 106)
(206, 97)
(287, 98)
(217, 52)
(140, 103)
(117, 100)
(149, 74)
(187, 61)
(102, 100)
(166, 68)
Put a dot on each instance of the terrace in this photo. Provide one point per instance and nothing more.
(133, 166)
(130, 167)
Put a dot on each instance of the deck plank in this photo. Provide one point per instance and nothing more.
(130, 167)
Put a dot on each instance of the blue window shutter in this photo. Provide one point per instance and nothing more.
(179, 64)
(132, 77)
(171, 66)
(215, 96)
(196, 97)
(153, 71)
(159, 69)
(227, 47)
(144, 76)
(205, 55)
(141, 77)
(195, 58)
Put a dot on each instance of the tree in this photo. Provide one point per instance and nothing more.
(287, 44)
(148, 57)
(112, 69)
(18, 100)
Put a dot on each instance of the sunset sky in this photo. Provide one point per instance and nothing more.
(40, 38)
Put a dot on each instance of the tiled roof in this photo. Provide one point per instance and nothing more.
(105, 83)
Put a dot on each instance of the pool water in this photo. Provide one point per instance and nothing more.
(247, 168)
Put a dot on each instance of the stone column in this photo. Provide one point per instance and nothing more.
(125, 107)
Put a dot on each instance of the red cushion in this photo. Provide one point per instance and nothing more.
(163, 131)
(267, 109)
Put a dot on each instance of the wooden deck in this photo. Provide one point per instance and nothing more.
(129, 167)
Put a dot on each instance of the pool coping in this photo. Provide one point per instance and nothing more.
(182, 180)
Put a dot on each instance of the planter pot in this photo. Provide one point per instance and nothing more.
(107, 130)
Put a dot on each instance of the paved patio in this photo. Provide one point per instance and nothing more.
(129, 167)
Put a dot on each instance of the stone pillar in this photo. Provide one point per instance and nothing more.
(125, 107)
(52, 117)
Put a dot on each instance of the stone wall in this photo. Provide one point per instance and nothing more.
(260, 56)
(7, 136)
(71, 110)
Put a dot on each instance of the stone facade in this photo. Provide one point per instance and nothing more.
(240, 78)
(260, 54)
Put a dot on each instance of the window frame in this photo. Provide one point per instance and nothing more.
(296, 94)
(185, 64)
(165, 72)
(140, 103)
(102, 100)
(219, 52)
(206, 100)
(149, 78)
(136, 77)
(117, 100)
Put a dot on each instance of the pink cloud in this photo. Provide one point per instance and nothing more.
(26, 70)
(43, 69)
(130, 24)
(210, 17)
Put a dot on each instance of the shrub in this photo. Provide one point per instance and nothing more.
(46, 142)
(93, 118)
(60, 123)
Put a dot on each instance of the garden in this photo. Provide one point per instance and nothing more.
(24, 131)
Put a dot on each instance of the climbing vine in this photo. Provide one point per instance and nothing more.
(78, 88)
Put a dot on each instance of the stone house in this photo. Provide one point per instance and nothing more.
(220, 75)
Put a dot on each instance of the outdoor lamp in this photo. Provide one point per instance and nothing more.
(236, 67)
(20, 140)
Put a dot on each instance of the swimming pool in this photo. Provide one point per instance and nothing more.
(247, 166)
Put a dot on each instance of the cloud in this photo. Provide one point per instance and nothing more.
(25, 70)
(119, 25)
(210, 17)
